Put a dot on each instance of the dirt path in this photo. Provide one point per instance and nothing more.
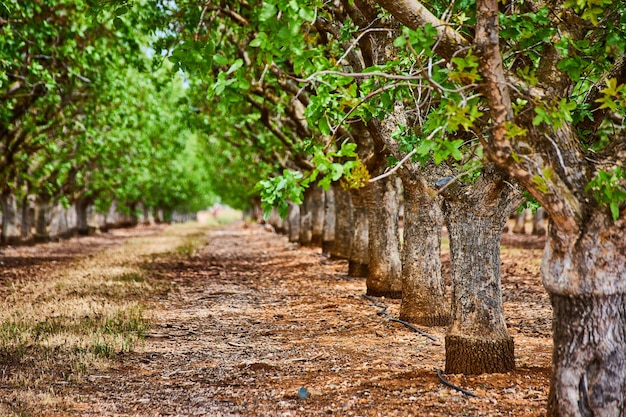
(252, 319)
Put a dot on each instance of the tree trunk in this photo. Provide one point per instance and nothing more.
(42, 218)
(539, 222)
(81, 216)
(424, 299)
(359, 250)
(58, 222)
(589, 357)
(306, 234)
(11, 234)
(276, 221)
(312, 217)
(328, 237)
(520, 221)
(315, 206)
(478, 340)
(587, 284)
(384, 276)
(27, 221)
(344, 223)
(146, 218)
(293, 219)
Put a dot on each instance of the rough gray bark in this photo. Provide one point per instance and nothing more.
(588, 359)
(586, 282)
(146, 218)
(424, 299)
(11, 234)
(539, 222)
(315, 206)
(27, 221)
(584, 266)
(306, 234)
(384, 276)
(359, 250)
(478, 340)
(62, 222)
(520, 221)
(276, 221)
(293, 219)
(342, 244)
(328, 237)
(42, 218)
(82, 224)
(312, 217)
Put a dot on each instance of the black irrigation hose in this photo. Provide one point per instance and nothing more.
(383, 311)
(451, 385)
(415, 329)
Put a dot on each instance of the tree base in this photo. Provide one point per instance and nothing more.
(88, 231)
(357, 269)
(327, 247)
(41, 238)
(395, 295)
(427, 320)
(471, 356)
(589, 357)
(12, 240)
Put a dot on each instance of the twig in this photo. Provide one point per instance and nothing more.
(406, 157)
(451, 385)
(395, 168)
(415, 329)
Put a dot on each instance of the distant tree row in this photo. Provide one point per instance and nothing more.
(85, 121)
(470, 103)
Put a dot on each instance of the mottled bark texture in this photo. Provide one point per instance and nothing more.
(359, 250)
(293, 219)
(315, 205)
(328, 236)
(384, 277)
(312, 217)
(11, 234)
(539, 222)
(276, 221)
(342, 245)
(306, 236)
(478, 340)
(82, 205)
(27, 218)
(424, 299)
(586, 281)
(584, 266)
(43, 210)
(589, 358)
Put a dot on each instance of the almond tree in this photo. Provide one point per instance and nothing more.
(553, 81)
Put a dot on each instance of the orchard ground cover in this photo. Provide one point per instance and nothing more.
(234, 320)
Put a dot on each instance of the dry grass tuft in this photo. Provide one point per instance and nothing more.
(61, 327)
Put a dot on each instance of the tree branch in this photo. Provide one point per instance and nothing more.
(414, 15)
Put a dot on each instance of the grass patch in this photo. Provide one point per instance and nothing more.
(187, 249)
(75, 321)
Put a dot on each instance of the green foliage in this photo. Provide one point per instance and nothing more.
(608, 189)
(590, 10)
(556, 115)
(276, 191)
(613, 95)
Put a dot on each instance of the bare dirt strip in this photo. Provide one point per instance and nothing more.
(250, 319)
